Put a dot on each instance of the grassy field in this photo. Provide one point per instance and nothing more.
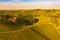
(47, 27)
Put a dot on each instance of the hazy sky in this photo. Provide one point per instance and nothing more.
(25, 0)
(29, 4)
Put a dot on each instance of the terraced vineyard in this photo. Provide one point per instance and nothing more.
(35, 24)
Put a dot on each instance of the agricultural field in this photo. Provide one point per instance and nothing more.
(37, 24)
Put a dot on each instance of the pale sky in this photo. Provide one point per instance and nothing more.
(30, 5)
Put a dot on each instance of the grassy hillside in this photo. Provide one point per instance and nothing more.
(27, 27)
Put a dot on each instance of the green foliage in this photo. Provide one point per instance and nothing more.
(21, 19)
(26, 19)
